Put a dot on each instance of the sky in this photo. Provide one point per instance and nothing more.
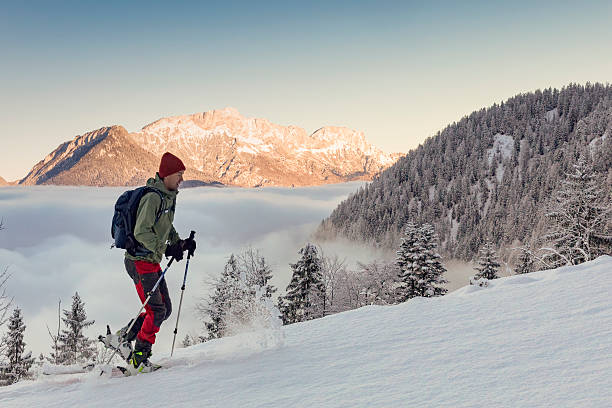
(398, 71)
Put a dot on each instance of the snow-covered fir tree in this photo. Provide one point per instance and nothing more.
(580, 216)
(305, 295)
(74, 346)
(488, 265)
(17, 361)
(420, 267)
(227, 290)
(526, 262)
(242, 298)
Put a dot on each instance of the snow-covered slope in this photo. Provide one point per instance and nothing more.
(536, 340)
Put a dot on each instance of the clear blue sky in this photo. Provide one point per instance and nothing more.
(399, 71)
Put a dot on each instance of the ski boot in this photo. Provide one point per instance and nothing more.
(140, 363)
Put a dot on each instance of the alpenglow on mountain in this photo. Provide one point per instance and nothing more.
(219, 146)
(487, 177)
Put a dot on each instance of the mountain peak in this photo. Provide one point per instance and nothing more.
(227, 111)
(220, 145)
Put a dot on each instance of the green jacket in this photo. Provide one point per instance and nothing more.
(155, 236)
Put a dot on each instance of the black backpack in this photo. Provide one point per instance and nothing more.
(124, 220)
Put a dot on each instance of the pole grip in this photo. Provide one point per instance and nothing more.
(190, 252)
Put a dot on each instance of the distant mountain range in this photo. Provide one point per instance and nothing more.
(217, 147)
(3, 182)
(487, 177)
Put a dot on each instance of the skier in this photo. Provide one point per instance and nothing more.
(157, 237)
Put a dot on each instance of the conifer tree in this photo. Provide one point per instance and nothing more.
(581, 213)
(305, 292)
(241, 299)
(488, 264)
(420, 269)
(17, 363)
(221, 299)
(230, 301)
(407, 258)
(526, 260)
(74, 346)
(286, 314)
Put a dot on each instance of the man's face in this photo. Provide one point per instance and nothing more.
(173, 180)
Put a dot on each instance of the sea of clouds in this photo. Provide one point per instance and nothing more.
(56, 241)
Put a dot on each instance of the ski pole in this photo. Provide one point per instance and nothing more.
(178, 315)
(141, 309)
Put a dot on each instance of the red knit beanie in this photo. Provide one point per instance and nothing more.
(170, 164)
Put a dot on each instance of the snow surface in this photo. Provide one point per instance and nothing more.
(597, 142)
(536, 340)
(552, 115)
(502, 144)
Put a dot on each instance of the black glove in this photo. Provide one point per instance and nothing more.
(189, 245)
(175, 250)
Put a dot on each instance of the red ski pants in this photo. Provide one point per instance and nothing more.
(159, 307)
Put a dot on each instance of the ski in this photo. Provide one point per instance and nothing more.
(129, 371)
(115, 371)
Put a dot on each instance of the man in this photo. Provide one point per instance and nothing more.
(157, 237)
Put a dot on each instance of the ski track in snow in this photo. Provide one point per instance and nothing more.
(536, 340)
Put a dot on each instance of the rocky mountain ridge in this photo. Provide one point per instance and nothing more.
(219, 146)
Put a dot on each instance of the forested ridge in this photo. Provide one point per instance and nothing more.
(487, 177)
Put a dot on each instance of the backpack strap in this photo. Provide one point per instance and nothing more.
(140, 250)
(161, 209)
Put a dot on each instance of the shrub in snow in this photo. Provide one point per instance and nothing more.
(482, 282)
(187, 341)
